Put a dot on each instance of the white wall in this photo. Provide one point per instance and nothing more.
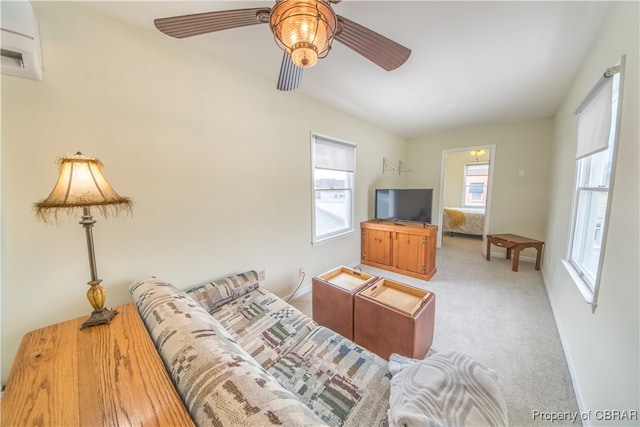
(519, 204)
(602, 347)
(216, 160)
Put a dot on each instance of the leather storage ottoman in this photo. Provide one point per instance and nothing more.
(332, 298)
(391, 317)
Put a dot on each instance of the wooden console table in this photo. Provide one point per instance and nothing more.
(107, 375)
(517, 243)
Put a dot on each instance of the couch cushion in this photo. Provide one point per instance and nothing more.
(219, 292)
(343, 383)
(217, 380)
(264, 325)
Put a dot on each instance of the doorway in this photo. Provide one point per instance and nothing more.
(466, 183)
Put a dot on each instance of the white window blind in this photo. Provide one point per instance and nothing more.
(332, 155)
(594, 123)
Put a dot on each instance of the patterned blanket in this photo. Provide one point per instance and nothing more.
(445, 389)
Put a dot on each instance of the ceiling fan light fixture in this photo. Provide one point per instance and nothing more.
(304, 29)
(304, 54)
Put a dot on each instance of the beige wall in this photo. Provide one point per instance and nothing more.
(602, 347)
(519, 204)
(216, 159)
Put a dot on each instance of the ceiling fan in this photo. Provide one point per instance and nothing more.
(303, 29)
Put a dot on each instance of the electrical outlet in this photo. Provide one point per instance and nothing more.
(262, 275)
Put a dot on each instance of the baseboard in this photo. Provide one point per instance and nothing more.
(502, 253)
(567, 355)
(304, 289)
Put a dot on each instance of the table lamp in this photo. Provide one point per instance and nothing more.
(81, 184)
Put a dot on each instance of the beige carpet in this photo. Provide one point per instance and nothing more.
(502, 318)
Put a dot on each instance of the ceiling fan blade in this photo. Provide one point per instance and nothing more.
(208, 22)
(375, 47)
(290, 74)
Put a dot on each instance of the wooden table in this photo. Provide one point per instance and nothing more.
(333, 293)
(392, 317)
(107, 375)
(517, 243)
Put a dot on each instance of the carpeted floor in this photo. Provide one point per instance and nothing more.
(502, 318)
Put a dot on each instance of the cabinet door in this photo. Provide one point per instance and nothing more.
(429, 257)
(410, 252)
(376, 246)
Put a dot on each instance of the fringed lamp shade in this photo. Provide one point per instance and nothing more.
(81, 184)
(304, 29)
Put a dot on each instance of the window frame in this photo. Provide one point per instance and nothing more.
(588, 282)
(317, 238)
(465, 187)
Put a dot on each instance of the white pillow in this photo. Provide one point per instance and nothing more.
(446, 389)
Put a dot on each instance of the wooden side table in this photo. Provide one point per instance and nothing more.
(517, 243)
(391, 317)
(332, 298)
(107, 375)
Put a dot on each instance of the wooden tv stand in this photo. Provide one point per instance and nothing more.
(402, 247)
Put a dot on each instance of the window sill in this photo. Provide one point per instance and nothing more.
(585, 290)
(331, 237)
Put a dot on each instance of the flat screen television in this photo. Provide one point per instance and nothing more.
(411, 204)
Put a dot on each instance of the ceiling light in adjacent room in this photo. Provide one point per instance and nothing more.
(477, 153)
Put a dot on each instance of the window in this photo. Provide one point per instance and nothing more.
(476, 176)
(333, 165)
(595, 166)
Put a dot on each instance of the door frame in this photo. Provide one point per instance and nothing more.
(487, 212)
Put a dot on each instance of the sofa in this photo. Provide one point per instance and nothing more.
(239, 355)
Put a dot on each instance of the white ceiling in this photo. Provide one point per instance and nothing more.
(472, 63)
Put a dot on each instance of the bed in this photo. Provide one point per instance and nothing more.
(463, 221)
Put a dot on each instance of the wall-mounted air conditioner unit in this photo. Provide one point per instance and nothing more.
(19, 40)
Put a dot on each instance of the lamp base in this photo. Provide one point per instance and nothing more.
(99, 317)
